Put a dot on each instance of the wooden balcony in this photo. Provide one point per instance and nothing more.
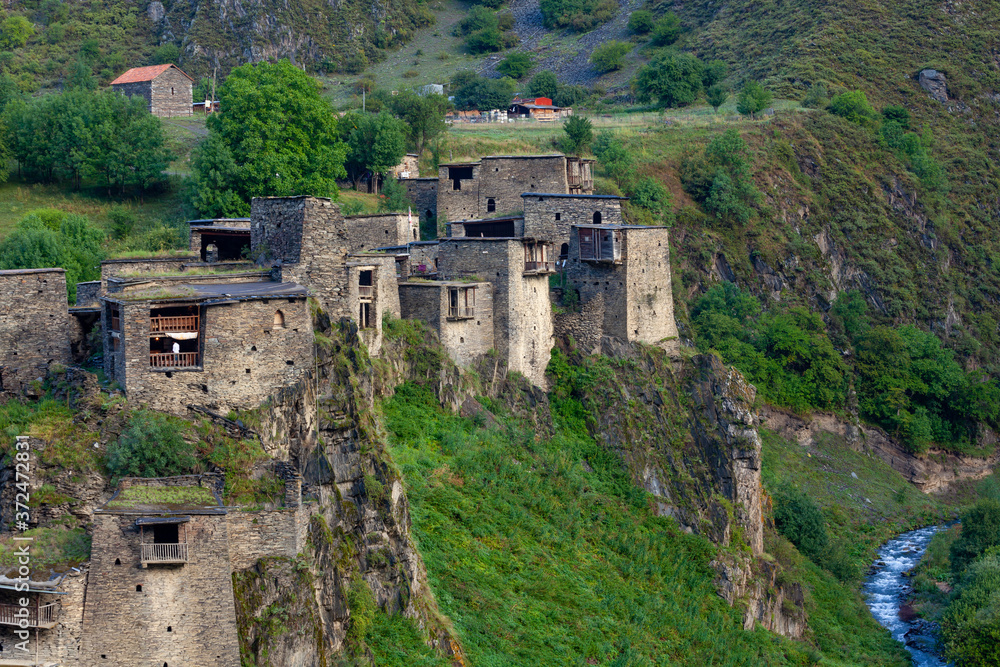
(171, 360)
(461, 313)
(182, 323)
(539, 267)
(366, 291)
(164, 554)
(43, 616)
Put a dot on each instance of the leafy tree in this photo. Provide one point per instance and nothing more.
(753, 99)
(854, 106)
(798, 518)
(567, 96)
(651, 195)
(640, 22)
(377, 142)
(516, 65)
(423, 115)
(672, 79)
(970, 627)
(667, 29)
(81, 77)
(53, 238)
(279, 138)
(478, 18)
(474, 92)
(15, 31)
(610, 56)
(151, 446)
(487, 40)
(980, 531)
(544, 84)
(896, 113)
(166, 54)
(716, 96)
(579, 133)
(721, 178)
(714, 72)
(394, 198)
(617, 160)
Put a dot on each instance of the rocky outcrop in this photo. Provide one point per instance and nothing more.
(934, 83)
(776, 606)
(932, 472)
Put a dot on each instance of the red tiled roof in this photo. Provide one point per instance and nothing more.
(137, 74)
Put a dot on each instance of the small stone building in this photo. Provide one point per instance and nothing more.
(166, 89)
(370, 232)
(504, 227)
(621, 275)
(494, 184)
(35, 326)
(159, 590)
(519, 270)
(236, 342)
(460, 312)
(549, 215)
(423, 193)
(230, 236)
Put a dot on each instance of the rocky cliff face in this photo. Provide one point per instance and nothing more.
(325, 36)
(932, 472)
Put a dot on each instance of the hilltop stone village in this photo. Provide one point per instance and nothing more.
(530, 255)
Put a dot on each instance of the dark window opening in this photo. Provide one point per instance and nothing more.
(504, 229)
(428, 214)
(491, 205)
(459, 174)
(558, 216)
(564, 252)
(279, 320)
(118, 561)
(597, 217)
(169, 629)
(462, 302)
(138, 588)
(230, 246)
(166, 534)
(364, 315)
(366, 287)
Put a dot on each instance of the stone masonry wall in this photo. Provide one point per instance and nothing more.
(58, 645)
(466, 340)
(541, 213)
(423, 254)
(505, 178)
(86, 293)
(462, 204)
(121, 267)
(171, 95)
(244, 357)
(650, 295)
(370, 232)
(423, 193)
(522, 311)
(173, 615)
(35, 327)
(118, 285)
(265, 534)
(386, 297)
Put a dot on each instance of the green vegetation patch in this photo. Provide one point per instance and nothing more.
(542, 551)
(168, 496)
(55, 548)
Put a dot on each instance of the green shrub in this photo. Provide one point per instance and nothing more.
(652, 196)
(151, 446)
(640, 22)
(579, 15)
(516, 65)
(753, 99)
(544, 84)
(716, 96)
(579, 133)
(610, 56)
(817, 96)
(970, 628)
(798, 518)
(980, 531)
(672, 79)
(667, 29)
(854, 106)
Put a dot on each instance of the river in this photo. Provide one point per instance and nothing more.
(887, 589)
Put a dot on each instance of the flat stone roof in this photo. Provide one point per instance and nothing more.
(421, 178)
(568, 196)
(478, 221)
(157, 258)
(443, 283)
(215, 292)
(225, 230)
(587, 226)
(371, 215)
(534, 156)
(21, 272)
(214, 220)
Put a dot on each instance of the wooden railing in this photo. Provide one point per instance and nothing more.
(539, 266)
(366, 291)
(43, 616)
(165, 553)
(176, 323)
(461, 312)
(171, 360)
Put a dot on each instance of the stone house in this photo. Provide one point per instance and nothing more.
(159, 589)
(495, 183)
(549, 215)
(236, 342)
(35, 326)
(461, 313)
(423, 193)
(519, 271)
(230, 236)
(621, 275)
(503, 227)
(166, 89)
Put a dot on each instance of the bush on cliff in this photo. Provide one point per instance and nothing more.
(151, 446)
(799, 519)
